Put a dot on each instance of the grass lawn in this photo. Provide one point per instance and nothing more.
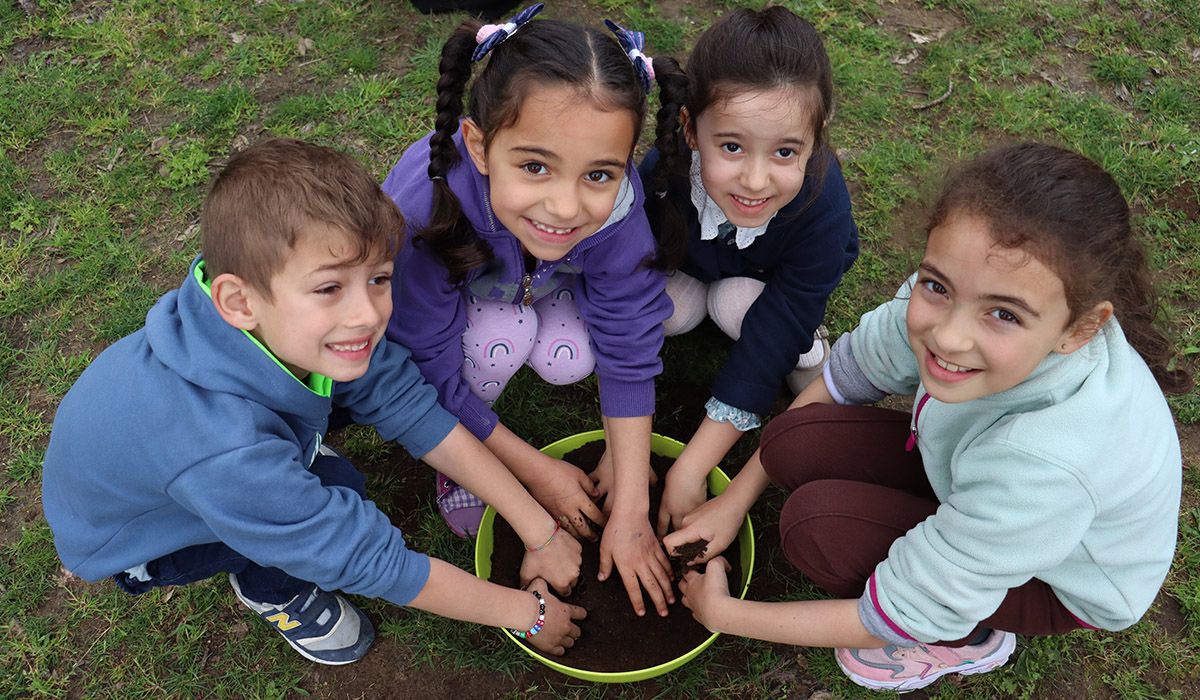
(114, 115)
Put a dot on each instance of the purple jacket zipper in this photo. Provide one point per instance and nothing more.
(912, 433)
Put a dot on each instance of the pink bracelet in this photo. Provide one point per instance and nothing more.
(549, 539)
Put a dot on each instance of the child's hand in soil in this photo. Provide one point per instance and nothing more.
(557, 563)
(681, 495)
(704, 592)
(717, 521)
(567, 493)
(602, 477)
(629, 542)
(560, 631)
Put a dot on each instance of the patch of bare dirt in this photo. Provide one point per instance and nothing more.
(1184, 198)
(1068, 70)
(1189, 444)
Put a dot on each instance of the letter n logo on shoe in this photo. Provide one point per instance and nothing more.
(283, 621)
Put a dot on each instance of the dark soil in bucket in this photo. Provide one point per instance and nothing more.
(614, 638)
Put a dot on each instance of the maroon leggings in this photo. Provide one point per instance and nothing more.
(854, 491)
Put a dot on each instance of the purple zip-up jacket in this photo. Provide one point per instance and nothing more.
(622, 301)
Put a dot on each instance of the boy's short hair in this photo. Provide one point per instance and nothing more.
(265, 195)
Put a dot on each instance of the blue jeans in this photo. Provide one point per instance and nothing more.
(258, 583)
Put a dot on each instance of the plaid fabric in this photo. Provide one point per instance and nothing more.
(451, 496)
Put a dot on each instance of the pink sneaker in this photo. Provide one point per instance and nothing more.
(907, 668)
(461, 509)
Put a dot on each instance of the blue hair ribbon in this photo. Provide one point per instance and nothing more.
(490, 36)
(634, 43)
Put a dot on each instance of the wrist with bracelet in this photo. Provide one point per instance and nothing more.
(549, 539)
(538, 624)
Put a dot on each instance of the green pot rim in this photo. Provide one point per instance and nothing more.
(661, 445)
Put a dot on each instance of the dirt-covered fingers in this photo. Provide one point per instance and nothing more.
(560, 631)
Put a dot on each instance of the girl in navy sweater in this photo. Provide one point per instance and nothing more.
(757, 220)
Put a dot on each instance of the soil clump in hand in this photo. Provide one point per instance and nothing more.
(683, 554)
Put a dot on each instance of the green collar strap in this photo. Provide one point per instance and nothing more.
(318, 384)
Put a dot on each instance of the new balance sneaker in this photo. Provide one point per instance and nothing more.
(461, 509)
(322, 626)
(907, 668)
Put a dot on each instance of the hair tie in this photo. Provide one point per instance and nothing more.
(633, 43)
(490, 36)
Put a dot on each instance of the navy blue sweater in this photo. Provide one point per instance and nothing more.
(801, 257)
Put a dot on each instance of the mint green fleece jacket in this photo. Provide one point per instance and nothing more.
(1072, 477)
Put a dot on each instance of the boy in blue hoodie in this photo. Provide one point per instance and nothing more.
(194, 446)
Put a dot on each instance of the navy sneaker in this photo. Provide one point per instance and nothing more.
(322, 626)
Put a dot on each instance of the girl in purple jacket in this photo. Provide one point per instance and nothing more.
(530, 246)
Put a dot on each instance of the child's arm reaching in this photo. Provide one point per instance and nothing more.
(718, 520)
(561, 488)
(451, 592)
(628, 540)
(810, 623)
(686, 488)
(554, 557)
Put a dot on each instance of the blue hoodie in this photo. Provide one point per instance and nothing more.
(188, 432)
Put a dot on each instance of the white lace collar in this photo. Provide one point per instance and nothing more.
(710, 215)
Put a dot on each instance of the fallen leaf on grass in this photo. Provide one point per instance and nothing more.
(112, 162)
(919, 38)
(237, 37)
(65, 577)
(1050, 79)
(906, 58)
(188, 232)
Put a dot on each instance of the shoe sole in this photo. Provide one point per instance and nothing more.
(998, 659)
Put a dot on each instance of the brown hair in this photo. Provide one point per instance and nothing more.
(544, 52)
(268, 193)
(1070, 214)
(748, 51)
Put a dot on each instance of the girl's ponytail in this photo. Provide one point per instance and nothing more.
(1137, 308)
(674, 160)
(448, 232)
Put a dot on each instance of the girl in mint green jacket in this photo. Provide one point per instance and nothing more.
(1035, 487)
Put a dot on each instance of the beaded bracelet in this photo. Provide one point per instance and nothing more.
(541, 619)
(549, 539)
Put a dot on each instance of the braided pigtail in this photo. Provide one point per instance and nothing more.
(674, 160)
(448, 232)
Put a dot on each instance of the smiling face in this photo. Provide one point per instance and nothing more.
(982, 317)
(554, 175)
(754, 147)
(326, 314)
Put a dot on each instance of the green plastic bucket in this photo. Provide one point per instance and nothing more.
(665, 446)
